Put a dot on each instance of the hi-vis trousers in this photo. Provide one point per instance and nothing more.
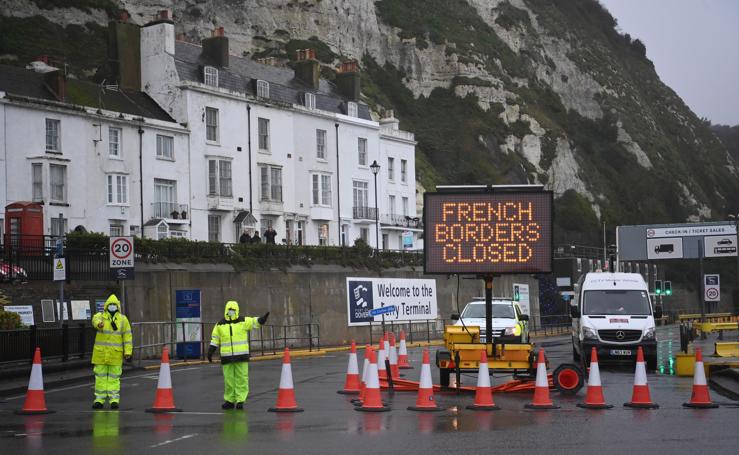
(108, 383)
(236, 382)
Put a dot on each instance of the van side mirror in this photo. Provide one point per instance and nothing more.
(574, 311)
(658, 312)
(455, 317)
(524, 317)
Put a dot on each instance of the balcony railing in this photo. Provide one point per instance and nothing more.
(393, 219)
(170, 210)
(364, 213)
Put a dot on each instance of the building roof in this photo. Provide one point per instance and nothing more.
(28, 83)
(241, 72)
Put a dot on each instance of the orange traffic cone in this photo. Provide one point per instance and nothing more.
(164, 400)
(700, 397)
(35, 402)
(594, 397)
(381, 356)
(365, 367)
(483, 391)
(286, 393)
(425, 400)
(393, 358)
(372, 400)
(351, 385)
(403, 353)
(541, 392)
(640, 397)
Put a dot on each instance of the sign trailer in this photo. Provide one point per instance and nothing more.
(487, 231)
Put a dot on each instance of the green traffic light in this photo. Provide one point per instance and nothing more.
(668, 288)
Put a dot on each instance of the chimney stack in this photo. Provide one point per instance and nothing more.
(307, 68)
(56, 82)
(348, 81)
(124, 52)
(215, 49)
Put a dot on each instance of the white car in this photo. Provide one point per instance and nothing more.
(510, 325)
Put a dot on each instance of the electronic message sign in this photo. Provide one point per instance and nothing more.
(488, 233)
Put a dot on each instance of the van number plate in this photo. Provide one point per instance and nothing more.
(620, 352)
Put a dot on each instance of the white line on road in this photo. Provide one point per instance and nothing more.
(90, 384)
(187, 436)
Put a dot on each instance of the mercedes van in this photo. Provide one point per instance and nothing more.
(612, 312)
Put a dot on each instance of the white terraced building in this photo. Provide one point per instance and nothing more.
(272, 146)
(78, 150)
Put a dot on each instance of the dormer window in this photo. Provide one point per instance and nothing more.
(351, 109)
(262, 89)
(210, 76)
(310, 101)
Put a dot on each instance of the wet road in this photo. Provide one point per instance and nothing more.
(330, 424)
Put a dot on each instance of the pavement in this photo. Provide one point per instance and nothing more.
(331, 425)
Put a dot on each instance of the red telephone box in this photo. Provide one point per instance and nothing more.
(24, 227)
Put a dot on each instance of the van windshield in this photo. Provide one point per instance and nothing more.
(617, 302)
(478, 311)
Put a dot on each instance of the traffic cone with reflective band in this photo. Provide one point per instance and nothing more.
(594, 396)
(372, 400)
(393, 358)
(483, 391)
(381, 356)
(700, 397)
(640, 397)
(403, 353)
(541, 392)
(425, 400)
(358, 401)
(164, 400)
(351, 384)
(286, 393)
(35, 401)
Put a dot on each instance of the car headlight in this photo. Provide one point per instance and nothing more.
(589, 334)
(649, 334)
(509, 331)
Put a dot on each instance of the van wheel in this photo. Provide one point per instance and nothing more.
(575, 355)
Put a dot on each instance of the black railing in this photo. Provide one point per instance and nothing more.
(364, 213)
(62, 343)
(394, 219)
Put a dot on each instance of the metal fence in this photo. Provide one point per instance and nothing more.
(151, 337)
(61, 343)
(425, 330)
(558, 324)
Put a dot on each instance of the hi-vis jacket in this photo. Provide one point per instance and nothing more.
(231, 335)
(111, 345)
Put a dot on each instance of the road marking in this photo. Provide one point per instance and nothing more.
(90, 384)
(187, 436)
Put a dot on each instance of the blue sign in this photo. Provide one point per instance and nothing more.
(187, 303)
(360, 301)
(383, 310)
(187, 315)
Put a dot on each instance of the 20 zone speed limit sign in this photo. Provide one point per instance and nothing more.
(121, 252)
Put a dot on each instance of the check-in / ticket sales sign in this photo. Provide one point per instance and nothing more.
(488, 233)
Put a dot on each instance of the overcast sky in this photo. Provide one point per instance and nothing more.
(694, 45)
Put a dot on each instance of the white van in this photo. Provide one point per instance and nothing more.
(613, 313)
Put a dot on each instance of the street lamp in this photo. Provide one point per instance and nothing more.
(735, 218)
(375, 169)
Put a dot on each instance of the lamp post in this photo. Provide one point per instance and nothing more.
(375, 169)
(735, 218)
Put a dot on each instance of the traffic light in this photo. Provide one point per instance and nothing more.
(668, 288)
(657, 287)
(516, 294)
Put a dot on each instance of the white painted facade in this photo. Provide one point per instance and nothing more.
(298, 215)
(83, 163)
